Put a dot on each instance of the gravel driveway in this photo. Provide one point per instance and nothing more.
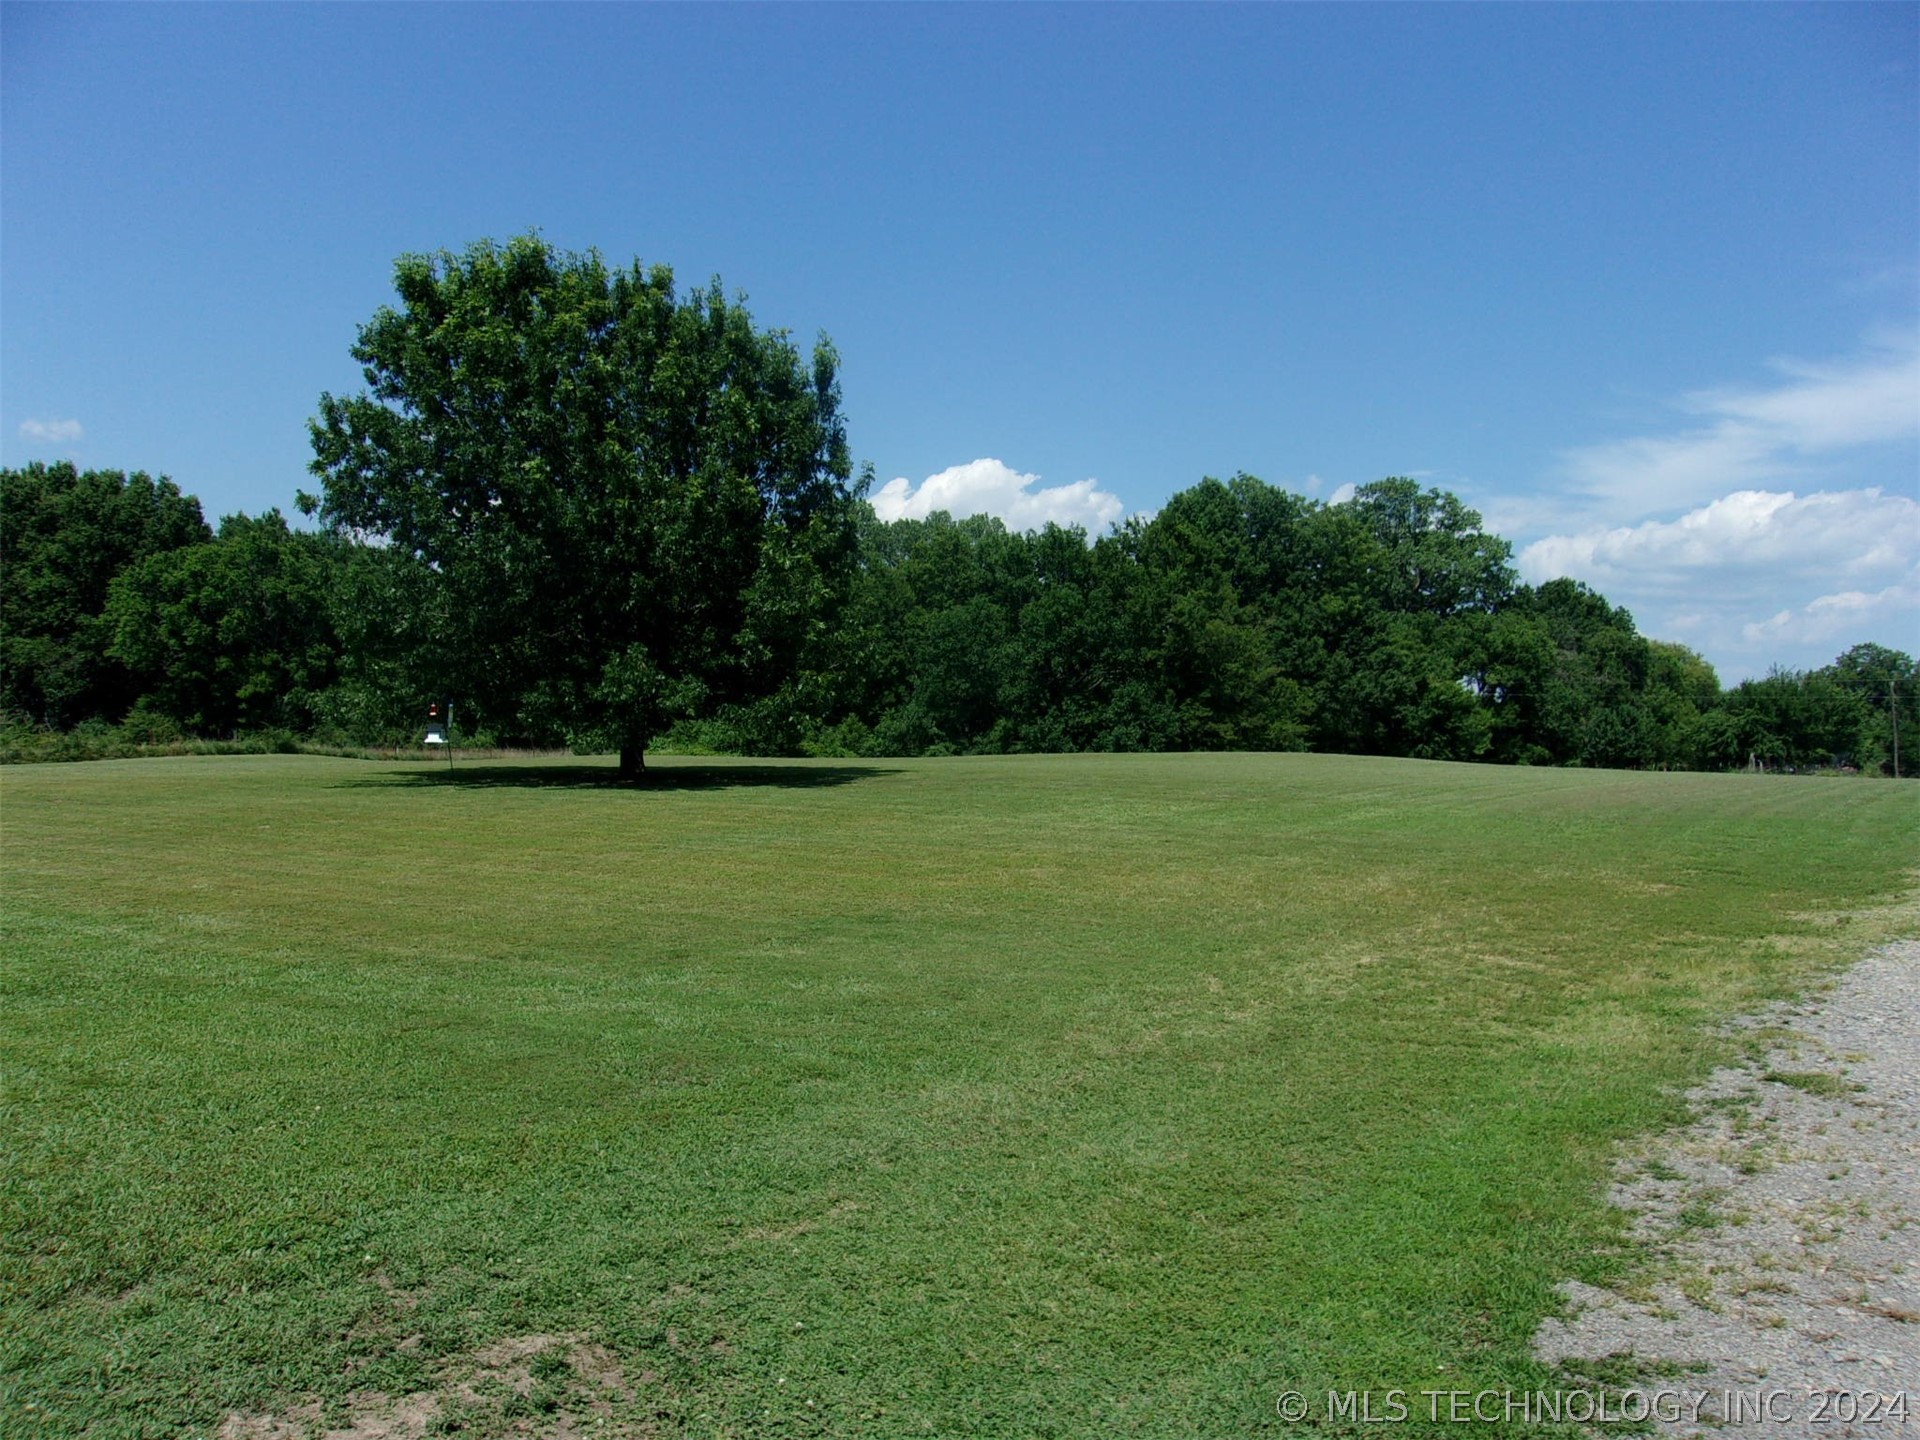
(1786, 1297)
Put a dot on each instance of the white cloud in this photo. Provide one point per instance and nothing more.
(1844, 618)
(1751, 539)
(1826, 408)
(51, 432)
(1758, 577)
(1764, 523)
(1657, 472)
(1753, 436)
(992, 488)
(1342, 493)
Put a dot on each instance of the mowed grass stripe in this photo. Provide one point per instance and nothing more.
(1027, 1095)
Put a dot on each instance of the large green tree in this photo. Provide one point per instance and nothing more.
(633, 504)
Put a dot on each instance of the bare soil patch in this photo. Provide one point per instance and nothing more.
(549, 1386)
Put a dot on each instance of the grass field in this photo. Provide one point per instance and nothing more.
(1030, 1096)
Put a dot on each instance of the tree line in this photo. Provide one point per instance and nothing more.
(596, 512)
(1240, 617)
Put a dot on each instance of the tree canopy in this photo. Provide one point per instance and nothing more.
(1240, 617)
(231, 635)
(66, 534)
(631, 506)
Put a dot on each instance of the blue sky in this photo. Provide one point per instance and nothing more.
(1640, 283)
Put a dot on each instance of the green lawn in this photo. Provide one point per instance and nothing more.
(1047, 1096)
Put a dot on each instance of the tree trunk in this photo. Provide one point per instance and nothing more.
(633, 762)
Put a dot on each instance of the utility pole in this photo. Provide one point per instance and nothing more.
(1893, 713)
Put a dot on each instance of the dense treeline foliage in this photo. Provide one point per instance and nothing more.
(64, 538)
(1241, 617)
(233, 634)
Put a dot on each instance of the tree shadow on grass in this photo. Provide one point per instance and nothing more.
(607, 777)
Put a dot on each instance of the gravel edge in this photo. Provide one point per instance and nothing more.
(1784, 1297)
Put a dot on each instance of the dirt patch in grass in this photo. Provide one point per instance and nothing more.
(551, 1386)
